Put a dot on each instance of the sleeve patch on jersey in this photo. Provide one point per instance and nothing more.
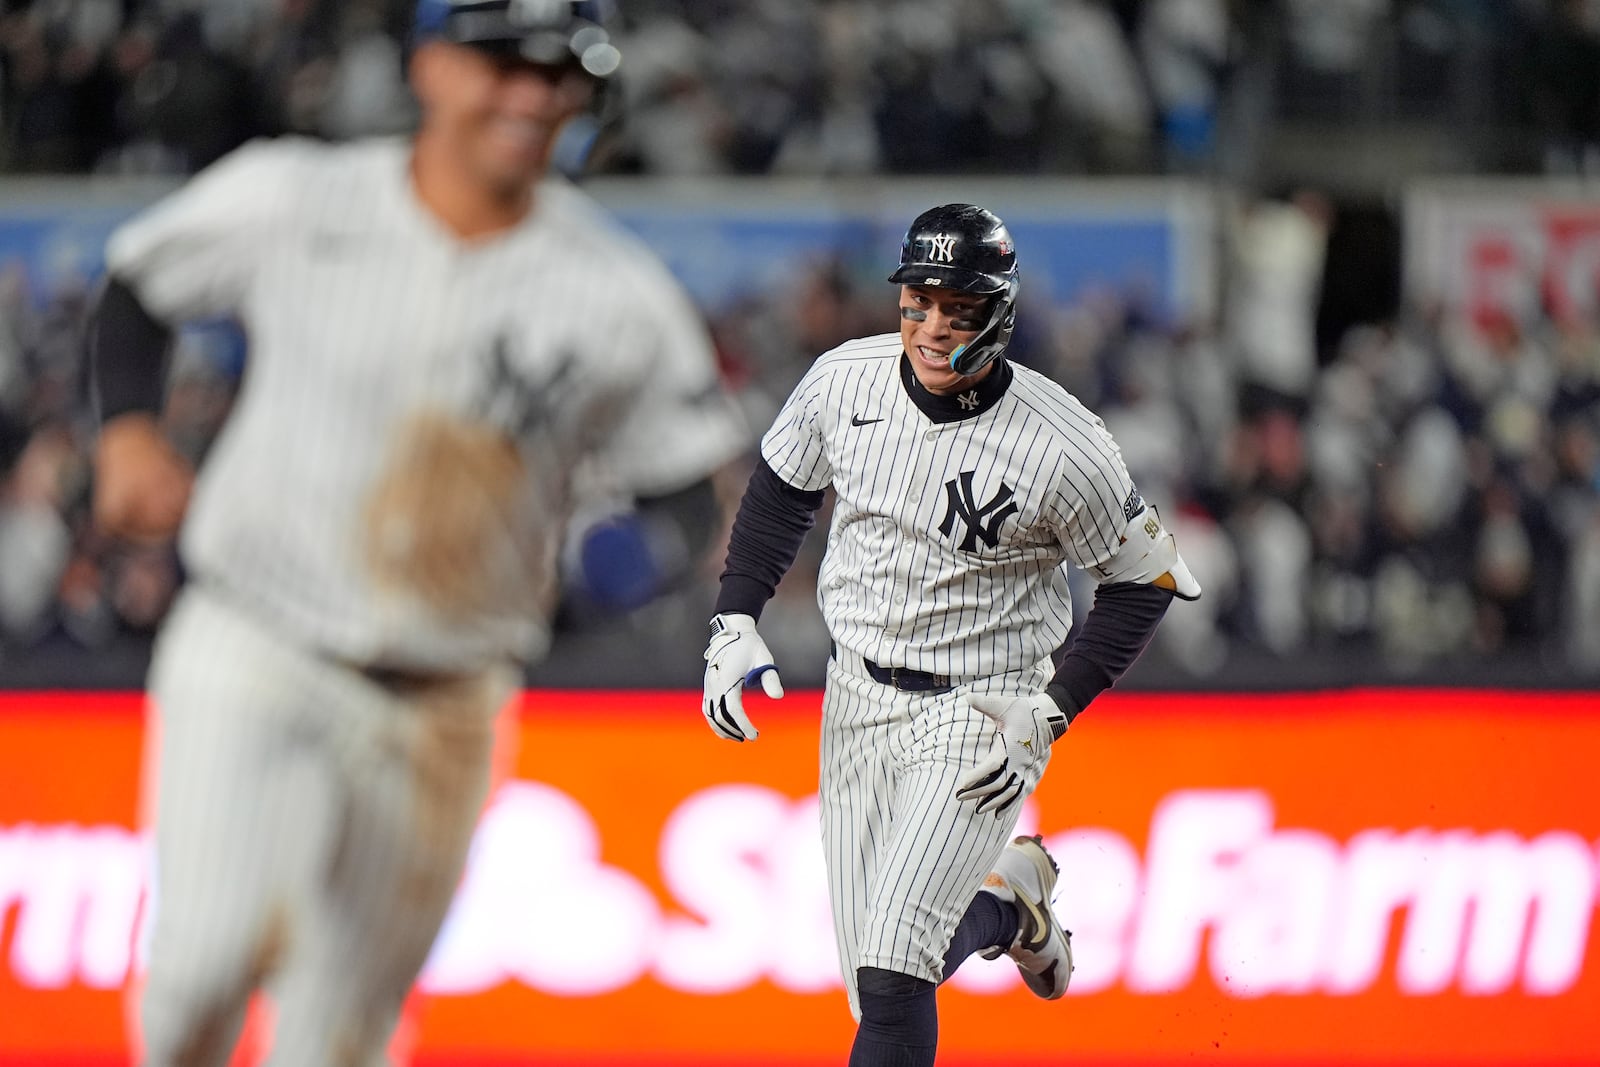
(1133, 505)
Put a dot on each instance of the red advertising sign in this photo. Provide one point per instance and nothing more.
(1369, 877)
(1504, 251)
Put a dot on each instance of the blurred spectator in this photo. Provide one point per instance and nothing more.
(34, 540)
(830, 86)
(1274, 550)
(193, 103)
(1185, 46)
(366, 91)
(842, 136)
(1278, 251)
(1102, 99)
(678, 123)
(1197, 640)
(1333, 35)
(1145, 417)
(1582, 619)
(1567, 90)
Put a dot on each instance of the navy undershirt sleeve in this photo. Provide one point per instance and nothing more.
(691, 511)
(127, 353)
(771, 524)
(1117, 629)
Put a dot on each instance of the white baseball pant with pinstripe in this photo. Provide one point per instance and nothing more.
(330, 868)
(904, 856)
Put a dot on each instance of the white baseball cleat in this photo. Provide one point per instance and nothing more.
(1026, 874)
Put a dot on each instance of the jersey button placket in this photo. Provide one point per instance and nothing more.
(901, 568)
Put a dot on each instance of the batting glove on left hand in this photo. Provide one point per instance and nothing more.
(735, 658)
(1026, 727)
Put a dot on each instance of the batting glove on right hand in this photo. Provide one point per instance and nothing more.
(1026, 728)
(735, 658)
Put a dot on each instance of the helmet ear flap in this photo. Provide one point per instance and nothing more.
(995, 335)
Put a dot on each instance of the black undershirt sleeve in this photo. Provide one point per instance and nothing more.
(771, 524)
(1113, 634)
(691, 511)
(128, 349)
(13, 441)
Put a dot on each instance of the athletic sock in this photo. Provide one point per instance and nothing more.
(899, 1020)
(989, 921)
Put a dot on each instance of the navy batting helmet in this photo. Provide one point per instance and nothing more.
(550, 32)
(966, 248)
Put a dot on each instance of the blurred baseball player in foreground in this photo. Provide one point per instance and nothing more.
(963, 485)
(448, 350)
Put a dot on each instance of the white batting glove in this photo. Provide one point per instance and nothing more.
(1026, 727)
(735, 658)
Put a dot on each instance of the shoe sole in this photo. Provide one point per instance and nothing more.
(1044, 916)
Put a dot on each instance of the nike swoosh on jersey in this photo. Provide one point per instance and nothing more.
(857, 420)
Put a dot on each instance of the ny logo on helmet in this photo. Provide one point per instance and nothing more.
(941, 247)
(981, 520)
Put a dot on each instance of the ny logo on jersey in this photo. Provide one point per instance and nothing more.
(968, 400)
(512, 402)
(941, 247)
(981, 520)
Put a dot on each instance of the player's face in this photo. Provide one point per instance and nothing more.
(934, 323)
(499, 113)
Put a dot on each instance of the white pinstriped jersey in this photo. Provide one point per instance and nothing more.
(948, 537)
(366, 318)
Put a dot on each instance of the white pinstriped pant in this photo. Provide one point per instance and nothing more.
(904, 856)
(311, 827)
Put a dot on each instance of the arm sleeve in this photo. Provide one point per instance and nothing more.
(1095, 494)
(1109, 531)
(767, 533)
(13, 441)
(794, 447)
(127, 353)
(680, 424)
(1105, 526)
(1114, 634)
(691, 513)
(194, 254)
(626, 560)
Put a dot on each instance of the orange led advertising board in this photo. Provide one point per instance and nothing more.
(1363, 877)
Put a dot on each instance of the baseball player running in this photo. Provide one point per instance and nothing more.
(963, 484)
(449, 351)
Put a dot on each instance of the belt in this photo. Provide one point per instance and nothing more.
(907, 680)
(902, 678)
(402, 679)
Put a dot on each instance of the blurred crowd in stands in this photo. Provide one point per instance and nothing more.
(1413, 490)
(828, 86)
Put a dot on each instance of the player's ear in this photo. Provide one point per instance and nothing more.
(427, 71)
